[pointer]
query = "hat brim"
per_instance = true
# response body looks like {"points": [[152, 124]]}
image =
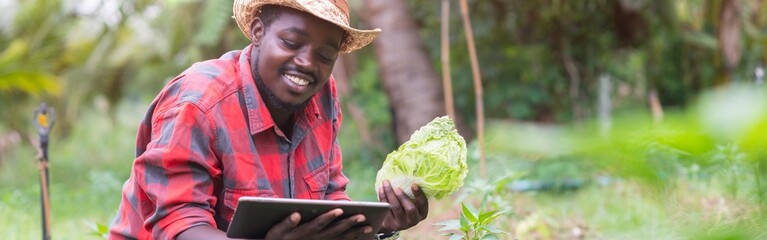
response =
{"points": [[245, 11]]}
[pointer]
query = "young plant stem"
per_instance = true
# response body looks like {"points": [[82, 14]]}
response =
{"points": [[447, 84], [477, 86]]}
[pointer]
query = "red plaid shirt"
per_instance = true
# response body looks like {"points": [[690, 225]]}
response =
{"points": [[208, 139]]}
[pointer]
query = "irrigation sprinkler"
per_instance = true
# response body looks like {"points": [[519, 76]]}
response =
{"points": [[44, 119]]}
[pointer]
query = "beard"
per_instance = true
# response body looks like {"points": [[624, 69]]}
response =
{"points": [[268, 96]]}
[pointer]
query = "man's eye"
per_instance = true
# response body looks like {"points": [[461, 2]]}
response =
{"points": [[290, 44], [326, 58]]}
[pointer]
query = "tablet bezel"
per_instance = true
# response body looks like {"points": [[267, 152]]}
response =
{"points": [[254, 216]]}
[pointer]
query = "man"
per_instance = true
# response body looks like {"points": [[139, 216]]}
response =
{"points": [[258, 122]]}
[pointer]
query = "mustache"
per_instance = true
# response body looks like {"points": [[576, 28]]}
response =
{"points": [[294, 68]]}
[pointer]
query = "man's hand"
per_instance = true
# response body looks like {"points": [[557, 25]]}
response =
{"points": [[405, 212], [320, 227]]}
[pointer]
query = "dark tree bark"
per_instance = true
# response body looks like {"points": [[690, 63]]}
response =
{"points": [[729, 37], [408, 77], [629, 25]]}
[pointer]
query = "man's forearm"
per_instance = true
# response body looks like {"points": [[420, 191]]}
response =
{"points": [[202, 232]]}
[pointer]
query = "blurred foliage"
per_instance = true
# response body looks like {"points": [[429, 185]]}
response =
{"points": [[724, 129], [718, 140], [99, 62], [696, 174], [366, 92], [473, 224], [72, 52], [540, 59], [525, 48]]}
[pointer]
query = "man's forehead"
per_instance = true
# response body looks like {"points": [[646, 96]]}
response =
{"points": [[299, 22]]}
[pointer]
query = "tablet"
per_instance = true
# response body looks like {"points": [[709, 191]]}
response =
{"points": [[254, 216]]}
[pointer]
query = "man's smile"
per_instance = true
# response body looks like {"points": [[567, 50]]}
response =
{"points": [[296, 83], [297, 80]]}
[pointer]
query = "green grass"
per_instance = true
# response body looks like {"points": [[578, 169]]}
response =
{"points": [[86, 174], [664, 195], [88, 168]]}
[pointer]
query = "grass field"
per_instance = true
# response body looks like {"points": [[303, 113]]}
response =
{"points": [[88, 168]]}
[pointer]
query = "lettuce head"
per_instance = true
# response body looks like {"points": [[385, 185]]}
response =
{"points": [[434, 158]]}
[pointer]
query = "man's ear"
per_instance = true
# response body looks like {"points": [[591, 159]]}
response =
{"points": [[256, 31]]}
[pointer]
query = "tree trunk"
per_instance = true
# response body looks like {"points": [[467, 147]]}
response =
{"points": [[408, 76], [729, 38]]}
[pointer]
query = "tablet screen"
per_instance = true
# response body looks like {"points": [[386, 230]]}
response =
{"points": [[254, 216]]}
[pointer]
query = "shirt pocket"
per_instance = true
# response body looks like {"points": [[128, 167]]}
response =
{"points": [[231, 196], [318, 181]]}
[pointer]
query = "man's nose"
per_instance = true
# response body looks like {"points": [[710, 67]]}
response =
{"points": [[305, 60]]}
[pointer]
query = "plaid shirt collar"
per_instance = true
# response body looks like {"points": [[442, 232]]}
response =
{"points": [[259, 118]]}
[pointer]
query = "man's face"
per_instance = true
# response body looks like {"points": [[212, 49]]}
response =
{"points": [[293, 57]]}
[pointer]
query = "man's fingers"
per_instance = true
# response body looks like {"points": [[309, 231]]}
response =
{"points": [[285, 226], [410, 210], [290, 221], [396, 207], [421, 201], [381, 194], [344, 226], [323, 220], [294, 219]]}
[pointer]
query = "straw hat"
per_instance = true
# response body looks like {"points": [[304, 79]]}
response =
{"points": [[333, 11]]}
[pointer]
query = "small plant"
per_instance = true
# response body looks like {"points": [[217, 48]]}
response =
{"points": [[494, 193], [98, 229], [472, 224]]}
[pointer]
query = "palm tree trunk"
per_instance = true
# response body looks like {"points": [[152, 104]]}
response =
{"points": [[407, 74], [728, 34]]}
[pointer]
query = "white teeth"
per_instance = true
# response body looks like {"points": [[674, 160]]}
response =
{"points": [[297, 80]]}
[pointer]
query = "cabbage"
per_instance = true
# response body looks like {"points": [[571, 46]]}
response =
{"points": [[434, 158]]}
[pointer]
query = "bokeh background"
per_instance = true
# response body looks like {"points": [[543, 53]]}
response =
{"points": [[602, 119]]}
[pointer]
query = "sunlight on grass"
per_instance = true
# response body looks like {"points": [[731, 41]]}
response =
{"points": [[683, 178], [86, 175], [642, 180]]}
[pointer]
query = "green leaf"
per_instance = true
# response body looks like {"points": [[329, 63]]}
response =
{"points": [[215, 17], [492, 230], [469, 212], [13, 52], [32, 83], [700, 39], [97, 229], [489, 237], [500, 184], [466, 225], [457, 237], [485, 197], [489, 216], [449, 225], [448, 222]]}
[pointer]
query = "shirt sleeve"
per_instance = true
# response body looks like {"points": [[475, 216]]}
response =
{"points": [[176, 172], [338, 181]]}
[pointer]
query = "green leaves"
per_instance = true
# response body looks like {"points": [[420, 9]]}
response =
{"points": [[215, 16], [31, 83], [98, 229], [17, 75], [472, 224]]}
